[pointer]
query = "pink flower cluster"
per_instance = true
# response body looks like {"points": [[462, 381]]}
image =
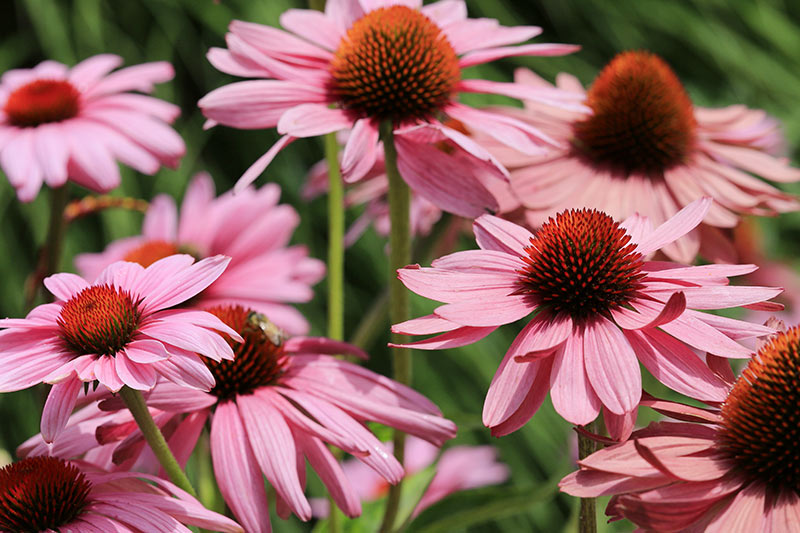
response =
{"points": [[589, 209]]}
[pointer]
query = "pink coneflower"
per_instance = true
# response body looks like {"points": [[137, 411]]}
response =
{"points": [[646, 148], [59, 123], [50, 494], [362, 63], [250, 227], [459, 468], [600, 309], [738, 469], [117, 331], [278, 401]]}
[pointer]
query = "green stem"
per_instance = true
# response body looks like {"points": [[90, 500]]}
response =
{"points": [[335, 270], [335, 240], [50, 257], [135, 402], [399, 256], [587, 517]]}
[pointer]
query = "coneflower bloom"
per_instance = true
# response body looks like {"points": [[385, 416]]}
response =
{"points": [[732, 469], [600, 308], [361, 63], [278, 401], [51, 494], [250, 227], [117, 331], [646, 148], [458, 468], [59, 123]]}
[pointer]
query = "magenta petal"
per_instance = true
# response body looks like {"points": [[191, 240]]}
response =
{"points": [[274, 449], [783, 513], [361, 151], [452, 286], [161, 221], [744, 514], [676, 366], [134, 375], [146, 351], [676, 227], [702, 336], [646, 318], [494, 233], [494, 312], [59, 405], [594, 483], [236, 470], [512, 381], [452, 339], [612, 366], [530, 403], [182, 282], [620, 427], [106, 373], [424, 325], [570, 391], [491, 54], [310, 120], [332, 476], [323, 345], [64, 286]]}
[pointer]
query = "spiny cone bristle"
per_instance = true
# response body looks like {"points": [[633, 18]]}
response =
{"points": [[42, 101], [394, 64], [761, 421], [257, 362], [582, 263], [643, 120], [41, 494], [100, 320]]}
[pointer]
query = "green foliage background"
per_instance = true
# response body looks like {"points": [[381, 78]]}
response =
{"points": [[745, 51]]}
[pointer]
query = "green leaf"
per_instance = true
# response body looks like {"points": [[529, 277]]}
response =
{"points": [[479, 506]]}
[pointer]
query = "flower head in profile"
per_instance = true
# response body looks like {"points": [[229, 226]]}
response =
{"points": [[118, 331], [280, 400], [59, 123], [600, 308], [362, 63], [458, 468], [646, 148], [250, 227], [50, 494], [731, 469]]}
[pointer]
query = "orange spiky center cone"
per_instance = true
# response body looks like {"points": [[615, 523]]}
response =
{"points": [[258, 361], [643, 121], [581, 262], [760, 417], [41, 494], [100, 320], [394, 64], [42, 101]]}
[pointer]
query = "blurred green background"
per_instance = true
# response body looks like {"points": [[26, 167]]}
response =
{"points": [[725, 52]]}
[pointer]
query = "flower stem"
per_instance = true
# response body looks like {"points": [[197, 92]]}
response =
{"points": [[587, 517], [335, 240], [399, 256], [335, 270], [135, 402], [50, 256]]}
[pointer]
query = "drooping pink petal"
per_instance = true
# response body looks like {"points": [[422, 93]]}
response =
{"points": [[274, 449], [494, 233], [236, 469], [674, 364], [611, 366], [59, 405], [572, 395], [676, 227]]}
